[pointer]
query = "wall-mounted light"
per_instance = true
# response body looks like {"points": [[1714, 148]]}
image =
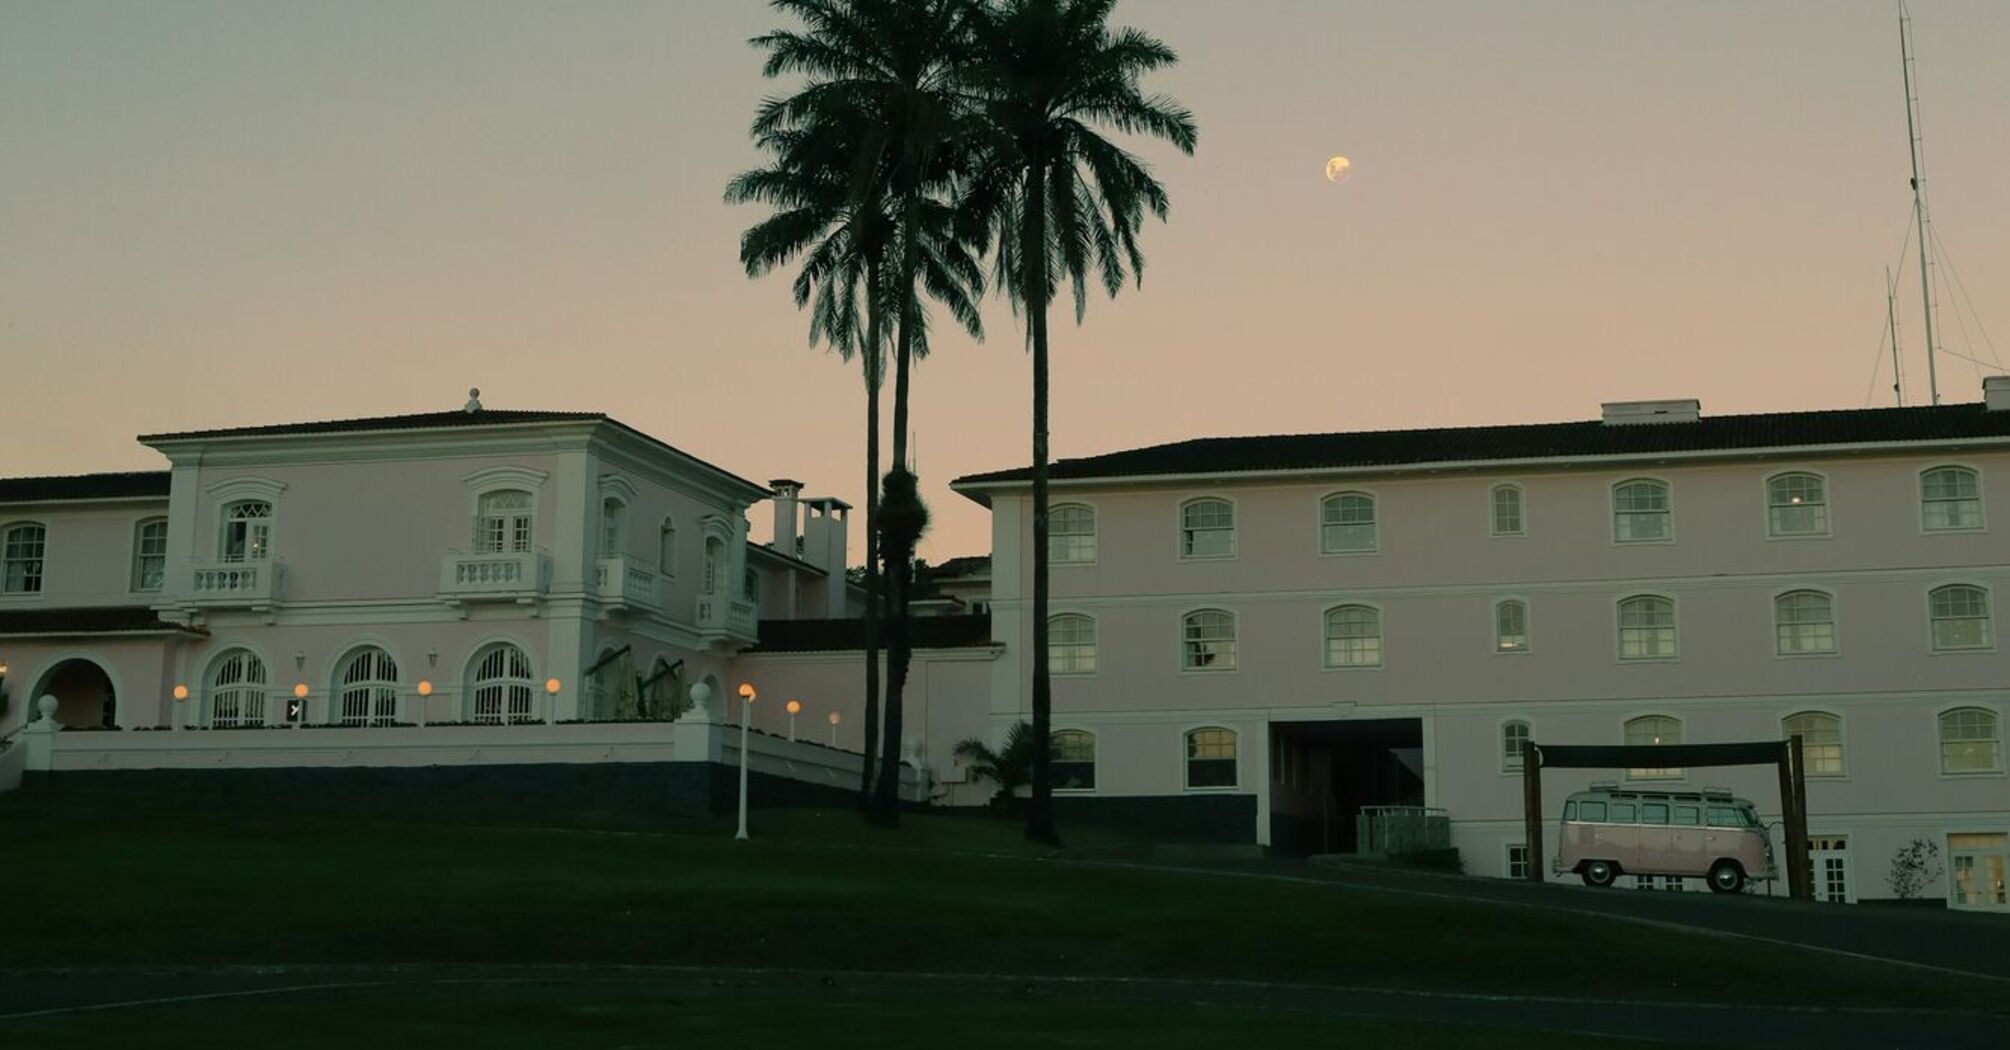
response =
{"points": [[432, 658], [181, 692], [300, 660], [425, 687]]}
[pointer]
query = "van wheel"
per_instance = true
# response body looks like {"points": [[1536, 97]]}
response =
{"points": [[1727, 877], [1600, 872]]}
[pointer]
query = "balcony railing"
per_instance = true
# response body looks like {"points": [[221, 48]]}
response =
{"points": [[239, 584], [723, 617], [625, 583], [495, 576]]}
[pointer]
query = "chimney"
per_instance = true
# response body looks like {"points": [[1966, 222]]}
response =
{"points": [[825, 522], [788, 516], [1626, 413], [1996, 393]]}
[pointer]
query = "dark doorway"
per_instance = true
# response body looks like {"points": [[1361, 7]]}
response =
{"points": [[1323, 773]]}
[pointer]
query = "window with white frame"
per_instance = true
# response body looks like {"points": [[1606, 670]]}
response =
{"points": [[1511, 626], [715, 564], [1647, 628], [21, 558], [1970, 741], [1960, 615], [1515, 735], [1507, 511], [502, 686], [237, 691], [369, 690], [1210, 758], [1797, 505], [1641, 511], [1653, 731], [1804, 622], [1071, 534], [247, 531], [1517, 860], [1821, 741], [1353, 636], [504, 521], [1208, 640], [150, 545], [666, 548], [613, 527], [750, 586], [1072, 760], [1347, 523], [1950, 499], [1071, 644], [1206, 528]]}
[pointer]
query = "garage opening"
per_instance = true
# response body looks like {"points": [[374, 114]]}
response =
{"points": [[1323, 775]]}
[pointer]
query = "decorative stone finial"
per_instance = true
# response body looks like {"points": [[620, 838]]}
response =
{"points": [[46, 705], [701, 704], [474, 400]]}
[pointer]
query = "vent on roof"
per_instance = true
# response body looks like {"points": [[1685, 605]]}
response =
{"points": [[1620, 412], [1996, 393]]}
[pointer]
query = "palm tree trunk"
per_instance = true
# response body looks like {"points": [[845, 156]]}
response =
{"points": [[1033, 270], [900, 551], [874, 366]]}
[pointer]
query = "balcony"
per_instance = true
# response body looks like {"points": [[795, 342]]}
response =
{"points": [[723, 619], [235, 584], [624, 583], [495, 576]]}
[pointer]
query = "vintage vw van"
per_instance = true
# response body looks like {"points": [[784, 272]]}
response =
{"points": [[1609, 831]]}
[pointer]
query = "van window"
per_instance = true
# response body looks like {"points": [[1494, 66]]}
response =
{"points": [[1689, 816], [1654, 813], [1593, 812], [1570, 811], [1622, 813], [1726, 817]]}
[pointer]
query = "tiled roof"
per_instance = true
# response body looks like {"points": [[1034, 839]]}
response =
{"points": [[927, 632], [132, 484], [487, 417], [1537, 441], [962, 567], [108, 619]]}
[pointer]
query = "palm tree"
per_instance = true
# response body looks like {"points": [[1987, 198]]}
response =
{"points": [[1050, 77], [1008, 767]]}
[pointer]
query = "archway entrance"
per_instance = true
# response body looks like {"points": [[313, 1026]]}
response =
{"points": [[84, 695]]}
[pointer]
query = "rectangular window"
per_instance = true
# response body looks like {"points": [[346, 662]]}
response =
{"points": [[150, 555], [1507, 517], [1950, 499], [1511, 627], [21, 572], [1654, 813], [1517, 860], [1640, 512], [1591, 812], [1071, 535], [1725, 817], [1623, 813], [1688, 816], [1207, 529]]}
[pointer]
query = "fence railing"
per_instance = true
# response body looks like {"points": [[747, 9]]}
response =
{"points": [[1402, 829]]}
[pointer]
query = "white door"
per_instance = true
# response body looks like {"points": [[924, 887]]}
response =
{"points": [[1828, 869], [1976, 864]]}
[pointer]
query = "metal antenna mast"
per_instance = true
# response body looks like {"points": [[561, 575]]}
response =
{"points": [[1918, 195], [1891, 318]]}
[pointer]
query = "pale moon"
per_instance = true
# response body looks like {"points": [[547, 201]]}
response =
{"points": [[1338, 168]]}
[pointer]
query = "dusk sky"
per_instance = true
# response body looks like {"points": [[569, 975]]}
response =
{"points": [[218, 214]]}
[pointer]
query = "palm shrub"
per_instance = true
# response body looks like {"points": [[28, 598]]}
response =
{"points": [[1010, 767]]}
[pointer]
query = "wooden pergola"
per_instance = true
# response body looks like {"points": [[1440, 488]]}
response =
{"points": [[1783, 754]]}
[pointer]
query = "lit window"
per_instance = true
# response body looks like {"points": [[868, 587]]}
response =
{"points": [[1353, 636], [1207, 529], [369, 693], [666, 548], [1210, 758], [1960, 615], [1640, 511], [1797, 505], [503, 522], [502, 691], [1950, 499], [1071, 534], [1511, 626], [1821, 741], [1071, 644], [1072, 760], [237, 691], [1507, 513], [1970, 741], [1347, 523], [1804, 622], [21, 572], [247, 531], [1647, 628], [1653, 731], [150, 544], [1514, 734], [1208, 638]]}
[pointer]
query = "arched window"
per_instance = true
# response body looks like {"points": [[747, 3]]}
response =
{"points": [[1511, 626], [1950, 499], [1507, 511], [1647, 628], [1072, 760], [150, 547], [1071, 534], [1804, 622], [613, 527], [1353, 636], [1960, 615], [369, 689], [21, 558], [1970, 741], [1071, 644], [237, 691], [666, 548], [663, 695], [247, 531], [1347, 523], [1206, 528], [1209, 640], [1641, 511], [1653, 730], [1821, 741], [503, 521], [1797, 505], [1514, 734], [503, 686], [715, 565], [1210, 757]]}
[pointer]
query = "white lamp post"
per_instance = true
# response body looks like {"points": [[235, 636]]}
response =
{"points": [[175, 718], [550, 701], [425, 693], [834, 729], [795, 708], [746, 716]]}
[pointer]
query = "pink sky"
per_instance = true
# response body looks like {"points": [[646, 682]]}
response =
{"points": [[219, 214]]}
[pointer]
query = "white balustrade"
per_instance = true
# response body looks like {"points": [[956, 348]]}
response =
{"points": [[494, 575], [235, 583]]}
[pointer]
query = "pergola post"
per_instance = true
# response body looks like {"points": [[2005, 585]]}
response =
{"points": [[1800, 880], [1531, 796]]}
